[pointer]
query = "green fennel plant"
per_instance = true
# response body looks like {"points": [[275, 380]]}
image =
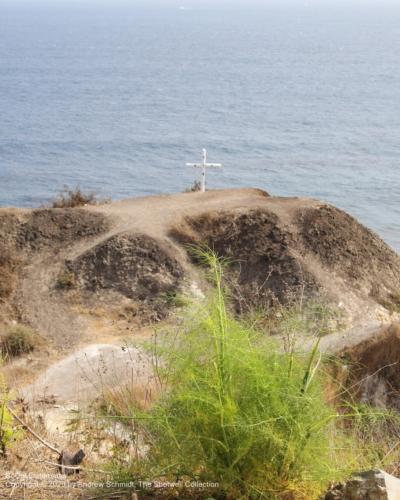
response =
{"points": [[236, 409]]}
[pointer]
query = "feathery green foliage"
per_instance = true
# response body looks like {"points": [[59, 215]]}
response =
{"points": [[238, 411], [235, 408], [7, 432]]}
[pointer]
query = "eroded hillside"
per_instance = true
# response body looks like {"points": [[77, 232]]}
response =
{"points": [[58, 266]]}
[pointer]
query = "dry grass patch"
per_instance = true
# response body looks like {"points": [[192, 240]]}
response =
{"points": [[19, 340], [66, 280], [75, 197], [392, 304], [118, 401]]}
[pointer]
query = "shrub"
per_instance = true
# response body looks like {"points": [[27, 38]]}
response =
{"points": [[66, 280], [18, 341], [233, 408], [240, 412], [8, 433], [392, 304], [71, 198], [195, 187], [6, 421]]}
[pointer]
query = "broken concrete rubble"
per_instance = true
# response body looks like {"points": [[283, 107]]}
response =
{"points": [[369, 485]]}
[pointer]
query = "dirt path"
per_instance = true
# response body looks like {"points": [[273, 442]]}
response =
{"points": [[74, 382], [82, 376], [156, 215]]}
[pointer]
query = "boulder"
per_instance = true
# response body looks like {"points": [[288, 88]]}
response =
{"points": [[369, 485]]}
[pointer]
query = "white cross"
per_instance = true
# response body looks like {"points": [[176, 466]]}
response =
{"points": [[204, 165]]}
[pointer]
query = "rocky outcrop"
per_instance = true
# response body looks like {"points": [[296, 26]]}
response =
{"points": [[369, 485], [371, 368], [135, 265], [52, 227], [288, 250], [352, 251], [262, 266]]}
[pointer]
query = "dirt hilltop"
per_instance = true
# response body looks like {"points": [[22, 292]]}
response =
{"points": [[59, 267], [92, 282]]}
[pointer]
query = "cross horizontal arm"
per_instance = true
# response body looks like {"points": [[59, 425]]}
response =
{"points": [[201, 165], [204, 166]]}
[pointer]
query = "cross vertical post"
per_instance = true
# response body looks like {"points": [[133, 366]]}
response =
{"points": [[203, 172], [204, 165]]}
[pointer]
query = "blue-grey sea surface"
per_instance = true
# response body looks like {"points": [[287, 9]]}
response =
{"points": [[302, 101]]}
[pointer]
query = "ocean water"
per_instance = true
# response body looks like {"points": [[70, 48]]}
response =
{"points": [[302, 102]]}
